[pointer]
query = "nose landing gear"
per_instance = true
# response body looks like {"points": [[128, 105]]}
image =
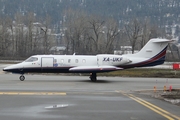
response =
{"points": [[22, 78]]}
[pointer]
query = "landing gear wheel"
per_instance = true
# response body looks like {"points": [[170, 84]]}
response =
{"points": [[22, 78], [93, 77]]}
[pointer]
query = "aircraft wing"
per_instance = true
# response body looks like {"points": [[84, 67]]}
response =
{"points": [[94, 68]]}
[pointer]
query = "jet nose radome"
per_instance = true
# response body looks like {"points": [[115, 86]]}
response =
{"points": [[13, 68], [7, 69], [4, 69]]}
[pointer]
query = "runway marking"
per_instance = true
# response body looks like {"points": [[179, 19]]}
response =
{"points": [[32, 93], [151, 106]]}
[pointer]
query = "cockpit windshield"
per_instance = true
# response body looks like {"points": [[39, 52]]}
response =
{"points": [[31, 59]]}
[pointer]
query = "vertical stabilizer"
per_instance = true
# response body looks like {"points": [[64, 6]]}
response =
{"points": [[154, 47], [153, 53]]}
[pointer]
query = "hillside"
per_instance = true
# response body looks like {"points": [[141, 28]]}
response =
{"points": [[159, 11]]}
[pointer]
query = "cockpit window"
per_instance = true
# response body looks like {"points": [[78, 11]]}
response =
{"points": [[31, 59]]}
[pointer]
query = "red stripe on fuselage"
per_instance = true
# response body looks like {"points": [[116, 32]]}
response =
{"points": [[159, 56], [144, 63]]}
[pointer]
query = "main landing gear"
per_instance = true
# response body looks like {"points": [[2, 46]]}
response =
{"points": [[22, 78], [93, 77]]}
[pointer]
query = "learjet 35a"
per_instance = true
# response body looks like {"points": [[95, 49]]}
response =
{"points": [[152, 54]]}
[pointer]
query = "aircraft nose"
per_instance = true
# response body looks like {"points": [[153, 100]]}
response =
{"points": [[13, 68], [5, 69]]}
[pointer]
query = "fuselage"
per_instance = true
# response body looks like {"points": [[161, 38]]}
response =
{"points": [[62, 63]]}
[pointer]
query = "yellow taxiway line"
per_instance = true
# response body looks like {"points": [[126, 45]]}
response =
{"points": [[152, 107], [32, 93]]}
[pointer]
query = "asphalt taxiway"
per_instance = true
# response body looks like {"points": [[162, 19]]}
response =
{"points": [[54, 97]]}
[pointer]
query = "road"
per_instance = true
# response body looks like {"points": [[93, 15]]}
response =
{"points": [[54, 97]]}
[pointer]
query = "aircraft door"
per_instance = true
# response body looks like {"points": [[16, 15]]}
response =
{"points": [[47, 62], [99, 60]]}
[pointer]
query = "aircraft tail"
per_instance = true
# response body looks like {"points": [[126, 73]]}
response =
{"points": [[153, 53], [154, 48]]}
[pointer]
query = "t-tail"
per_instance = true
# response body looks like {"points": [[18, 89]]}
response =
{"points": [[153, 53]]}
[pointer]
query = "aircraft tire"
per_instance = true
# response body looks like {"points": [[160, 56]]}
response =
{"points": [[93, 77], [22, 78]]}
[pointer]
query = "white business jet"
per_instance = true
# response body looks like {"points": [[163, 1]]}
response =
{"points": [[153, 53]]}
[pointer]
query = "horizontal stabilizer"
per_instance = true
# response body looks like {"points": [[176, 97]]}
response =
{"points": [[94, 68], [162, 40]]}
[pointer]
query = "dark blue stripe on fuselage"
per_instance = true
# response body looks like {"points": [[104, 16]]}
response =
{"points": [[40, 70], [55, 70], [156, 60]]}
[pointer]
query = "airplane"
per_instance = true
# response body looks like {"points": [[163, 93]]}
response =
{"points": [[152, 54]]}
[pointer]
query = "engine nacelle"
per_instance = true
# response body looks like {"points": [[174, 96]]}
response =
{"points": [[115, 60]]}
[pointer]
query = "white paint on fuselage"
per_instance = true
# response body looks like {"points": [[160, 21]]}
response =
{"points": [[78, 60], [74, 60]]}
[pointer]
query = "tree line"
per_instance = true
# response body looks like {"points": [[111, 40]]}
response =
{"points": [[24, 36], [87, 34], [79, 32]]}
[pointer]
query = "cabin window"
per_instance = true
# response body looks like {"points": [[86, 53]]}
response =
{"points": [[76, 60], [84, 61], [31, 59], [55, 63], [69, 60]]}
